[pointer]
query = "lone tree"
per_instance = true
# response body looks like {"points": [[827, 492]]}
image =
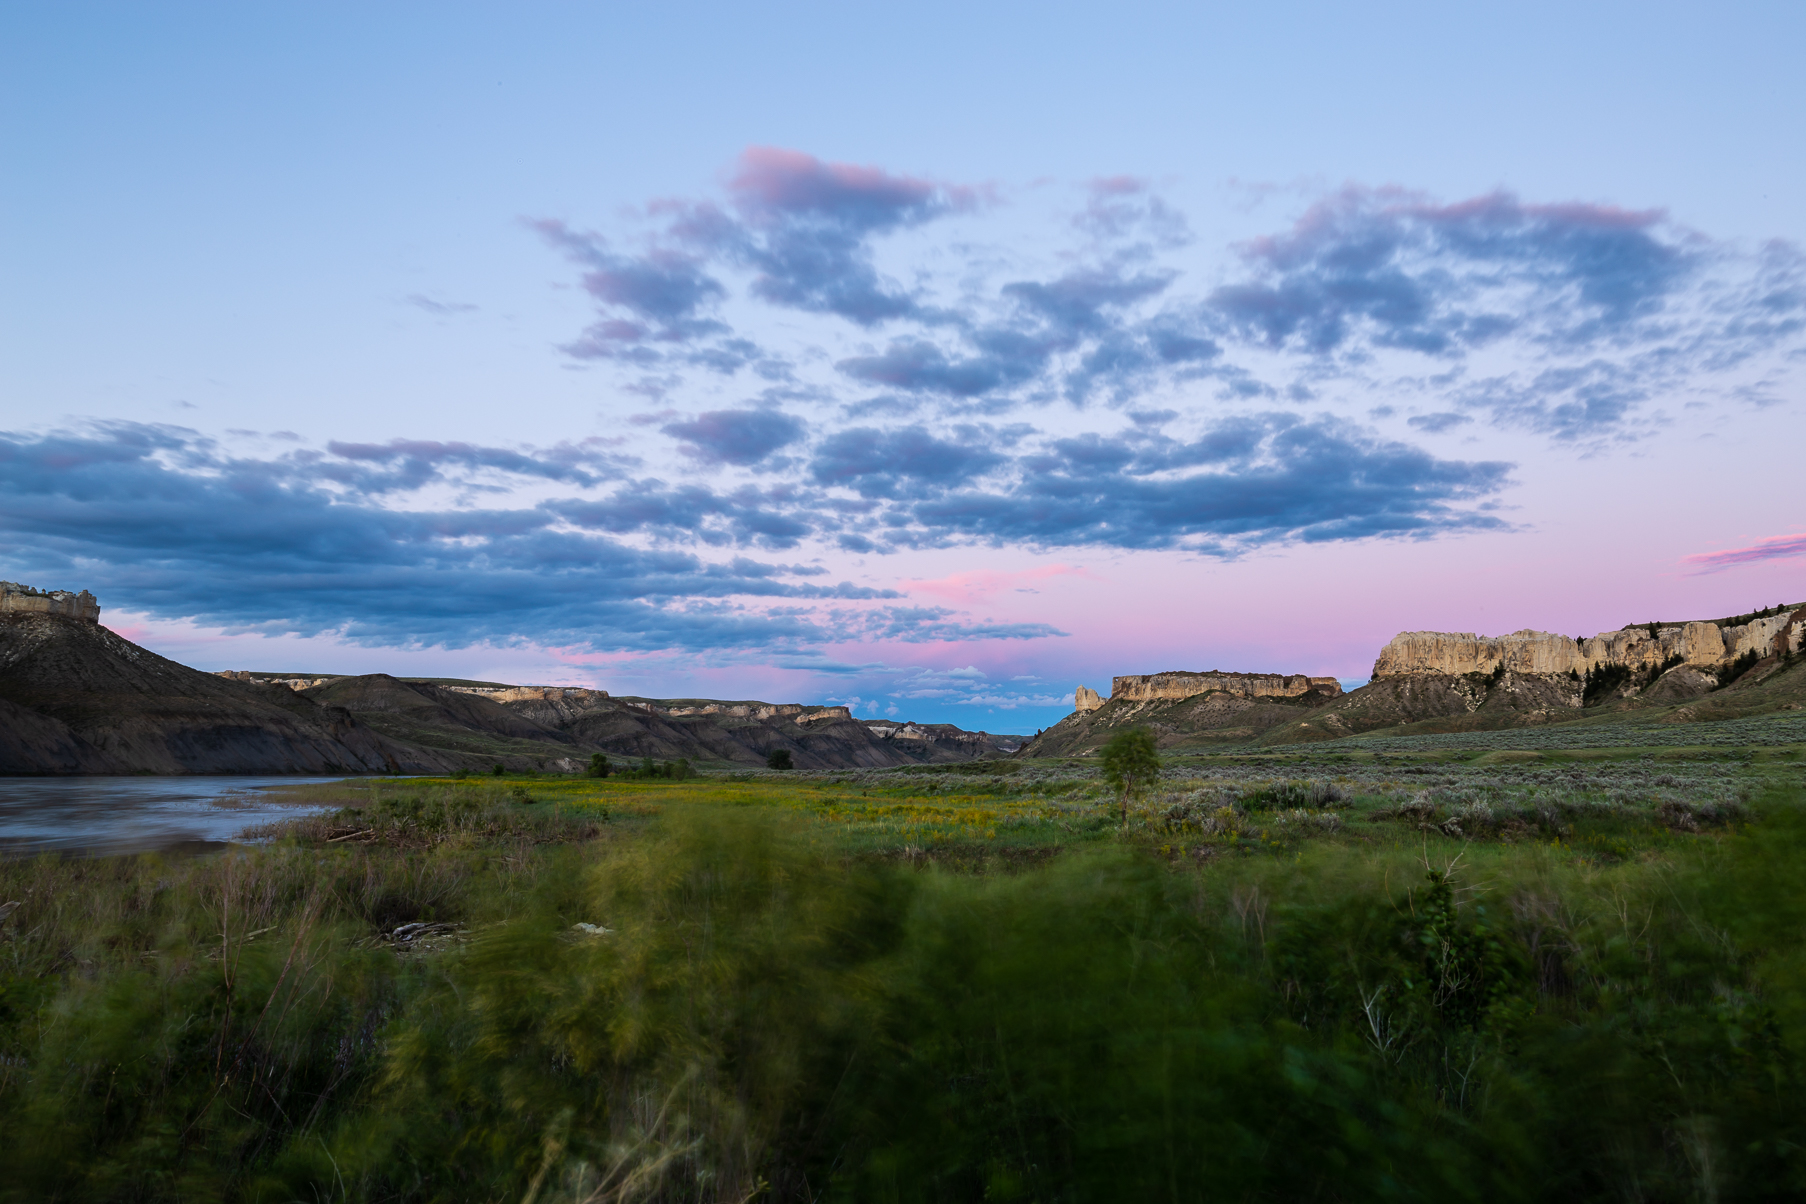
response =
{"points": [[778, 758], [599, 766], [1130, 763]]}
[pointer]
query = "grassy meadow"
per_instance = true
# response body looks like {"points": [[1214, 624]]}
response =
{"points": [[1393, 972]]}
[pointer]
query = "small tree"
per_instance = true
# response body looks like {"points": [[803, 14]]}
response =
{"points": [[498, 771], [778, 758], [599, 766], [1130, 763]]}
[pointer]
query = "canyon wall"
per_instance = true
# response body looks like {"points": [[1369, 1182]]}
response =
{"points": [[22, 599], [1545, 653]]}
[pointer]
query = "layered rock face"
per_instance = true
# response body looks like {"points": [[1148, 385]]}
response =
{"points": [[1460, 652], [1086, 699], [1179, 685], [1776, 635], [22, 599], [1459, 681], [1542, 652]]}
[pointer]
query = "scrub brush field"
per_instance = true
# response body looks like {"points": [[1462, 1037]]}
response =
{"points": [[1340, 973]]}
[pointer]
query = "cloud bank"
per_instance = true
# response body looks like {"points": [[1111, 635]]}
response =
{"points": [[852, 370], [1571, 320]]}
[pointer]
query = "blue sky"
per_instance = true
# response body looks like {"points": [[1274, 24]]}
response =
{"points": [[930, 359]]}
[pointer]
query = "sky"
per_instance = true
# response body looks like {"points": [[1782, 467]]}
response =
{"points": [[930, 359]]}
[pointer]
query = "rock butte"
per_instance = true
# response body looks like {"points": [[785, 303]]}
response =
{"points": [[1178, 685]]}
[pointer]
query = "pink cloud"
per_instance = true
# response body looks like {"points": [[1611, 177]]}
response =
{"points": [[1776, 547], [774, 180], [974, 586]]}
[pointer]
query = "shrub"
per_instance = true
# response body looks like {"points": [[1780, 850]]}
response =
{"points": [[598, 765], [778, 758], [1130, 763]]}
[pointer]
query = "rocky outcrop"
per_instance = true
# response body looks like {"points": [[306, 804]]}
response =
{"points": [[1699, 643], [795, 712], [22, 599], [577, 696], [1180, 684], [1776, 635], [1133, 693], [1461, 652], [1184, 708], [1457, 681]]}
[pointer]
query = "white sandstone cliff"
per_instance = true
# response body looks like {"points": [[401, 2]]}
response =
{"points": [[23, 599], [1179, 685], [1543, 653]]}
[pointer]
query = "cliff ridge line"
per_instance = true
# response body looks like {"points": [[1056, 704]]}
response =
{"points": [[1699, 643], [1179, 684], [1176, 685]]}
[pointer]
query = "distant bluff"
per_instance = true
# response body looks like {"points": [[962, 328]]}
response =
{"points": [[1183, 707], [77, 698], [1441, 681], [1709, 643], [1426, 681]]}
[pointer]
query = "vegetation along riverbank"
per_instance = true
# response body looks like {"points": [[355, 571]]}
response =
{"points": [[1407, 971]]}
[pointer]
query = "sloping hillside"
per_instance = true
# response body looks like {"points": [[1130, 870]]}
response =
{"points": [[77, 698], [744, 733], [1216, 717]]}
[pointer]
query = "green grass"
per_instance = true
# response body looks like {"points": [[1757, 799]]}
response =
{"points": [[1302, 976]]}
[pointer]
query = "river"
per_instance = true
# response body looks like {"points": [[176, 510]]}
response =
{"points": [[93, 816]]}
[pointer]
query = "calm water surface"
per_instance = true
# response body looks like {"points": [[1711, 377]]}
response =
{"points": [[96, 815]]}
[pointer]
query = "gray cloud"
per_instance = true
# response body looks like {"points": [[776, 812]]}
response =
{"points": [[736, 436], [1436, 424], [158, 519], [1586, 312]]}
